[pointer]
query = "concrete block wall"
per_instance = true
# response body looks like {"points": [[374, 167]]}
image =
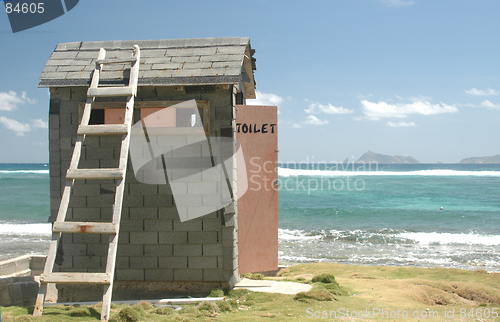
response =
{"points": [[153, 244]]}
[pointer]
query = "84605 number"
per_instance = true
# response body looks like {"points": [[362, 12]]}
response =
{"points": [[25, 7]]}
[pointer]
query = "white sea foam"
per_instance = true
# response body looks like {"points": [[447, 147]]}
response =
{"points": [[285, 172], [292, 234], [448, 238], [26, 229], [25, 171]]}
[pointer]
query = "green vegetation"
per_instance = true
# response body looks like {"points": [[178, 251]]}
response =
{"points": [[334, 286]]}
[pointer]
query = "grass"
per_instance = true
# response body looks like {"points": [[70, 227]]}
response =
{"points": [[335, 288]]}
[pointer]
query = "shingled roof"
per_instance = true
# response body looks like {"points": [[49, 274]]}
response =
{"points": [[197, 61]]}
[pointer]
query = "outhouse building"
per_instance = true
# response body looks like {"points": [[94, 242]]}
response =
{"points": [[159, 252]]}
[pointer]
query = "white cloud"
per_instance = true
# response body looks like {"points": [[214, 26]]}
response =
{"points": [[489, 104], [315, 108], [480, 92], [313, 120], [265, 99], [375, 111], [397, 3], [401, 124], [9, 101], [296, 126], [40, 124], [18, 127]]}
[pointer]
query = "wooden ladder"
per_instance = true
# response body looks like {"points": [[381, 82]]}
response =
{"points": [[60, 225]]}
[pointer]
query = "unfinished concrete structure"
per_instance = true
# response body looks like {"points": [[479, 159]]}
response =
{"points": [[156, 251]]}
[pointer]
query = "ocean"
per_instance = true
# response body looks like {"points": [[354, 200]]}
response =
{"points": [[427, 215]]}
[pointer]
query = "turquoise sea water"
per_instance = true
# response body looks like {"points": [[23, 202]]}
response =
{"points": [[390, 215]]}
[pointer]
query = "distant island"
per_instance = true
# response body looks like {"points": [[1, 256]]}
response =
{"points": [[492, 159], [386, 159]]}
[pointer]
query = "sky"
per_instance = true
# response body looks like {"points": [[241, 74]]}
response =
{"points": [[400, 77]]}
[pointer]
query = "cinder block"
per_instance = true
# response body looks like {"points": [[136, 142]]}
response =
{"points": [[86, 239], [124, 238], [202, 188], [224, 113], [188, 200], [212, 224], [143, 237], [77, 201], [164, 189], [86, 262], [144, 262], [88, 164], [122, 262], [101, 200], [67, 131], [173, 237], [99, 153], [188, 275], [202, 237], [187, 250], [109, 163], [75, 249], [190, 225], [213, 200], [133, 202], [55, 183], [158, 250], [132, 225], [173, 262], [229, 233], [86, 190], [129, 274], [86, 214], [159, 275], [67, 263], [63, 93], [54, 145], [213, 275], [54, 134], [212, 250], [202, 262], [98, 249], [65, 119], [79, 94], [143, 189], [54, 157], [158, 225], [206, 211], [142, 212], [54, 121], [110, 141], [158, 201], [106, 214], [168, 213], [131, 250]]}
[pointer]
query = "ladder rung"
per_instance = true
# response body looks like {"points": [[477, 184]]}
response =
{"points": [[107, 129], [85, 227], [76, 278], [110, 91], [116, 60], [94, 174]]}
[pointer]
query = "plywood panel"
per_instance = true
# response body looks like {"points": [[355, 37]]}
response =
{"points": [[257, 132]]}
